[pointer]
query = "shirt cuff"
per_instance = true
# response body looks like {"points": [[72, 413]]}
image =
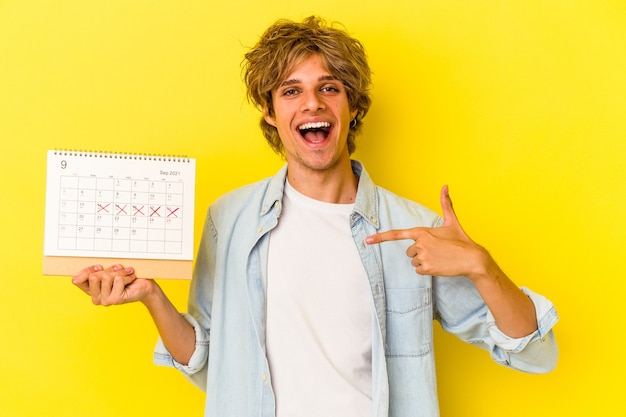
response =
{"points": [[546, 318], [199, 357]]}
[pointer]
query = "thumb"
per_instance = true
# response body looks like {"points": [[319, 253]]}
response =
{"points": [[449, 216]]}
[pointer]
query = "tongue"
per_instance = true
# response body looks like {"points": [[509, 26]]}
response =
{"points": [[315, 136]]}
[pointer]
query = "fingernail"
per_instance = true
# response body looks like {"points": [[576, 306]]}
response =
{"points": [[117, 267], [129, 269], [97, 268]]}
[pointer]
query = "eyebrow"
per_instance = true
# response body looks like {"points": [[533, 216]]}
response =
{"points": [[322, 78]]}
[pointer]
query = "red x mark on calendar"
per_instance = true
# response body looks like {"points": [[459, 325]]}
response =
{"points": [[172, 212], [138, 210], [121, 210], [155, 211], [103, 208]]}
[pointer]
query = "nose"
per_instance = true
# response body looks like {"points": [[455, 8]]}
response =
{"points": [[311, 101]]}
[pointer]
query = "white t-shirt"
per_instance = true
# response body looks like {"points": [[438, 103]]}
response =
{"points": [[319, 313]]}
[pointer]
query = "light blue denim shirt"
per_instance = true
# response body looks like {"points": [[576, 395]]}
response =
{"points": [[227, 307]]}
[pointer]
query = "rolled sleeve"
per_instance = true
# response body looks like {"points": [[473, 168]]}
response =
{"points": [[546, 318], [199, 357]]}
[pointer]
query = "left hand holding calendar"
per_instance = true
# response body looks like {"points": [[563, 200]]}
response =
{"points": [[113, 285], [119, 209]]}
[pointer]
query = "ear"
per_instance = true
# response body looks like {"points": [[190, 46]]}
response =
{"points": [[269, 119], [353, 114]]}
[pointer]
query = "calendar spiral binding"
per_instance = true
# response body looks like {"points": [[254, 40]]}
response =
{"points": [[123, 155]]}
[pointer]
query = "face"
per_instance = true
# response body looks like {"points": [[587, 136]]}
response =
{"points": [[312, 115]]}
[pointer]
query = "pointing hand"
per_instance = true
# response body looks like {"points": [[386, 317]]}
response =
{"points": [[443, 251]]}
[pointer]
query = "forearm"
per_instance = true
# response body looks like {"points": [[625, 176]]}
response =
{"points": [[512, 310], [177, 334]]}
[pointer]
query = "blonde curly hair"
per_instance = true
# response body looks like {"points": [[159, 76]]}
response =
{"points": [[284, 45]]}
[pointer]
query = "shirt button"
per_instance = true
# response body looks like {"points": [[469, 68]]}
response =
{"points": [[373, 220], [264, 377], [259, 229]]}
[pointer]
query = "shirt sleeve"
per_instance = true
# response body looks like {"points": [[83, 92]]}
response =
{"points": [[199, 357], [199, 306], [535, 353], [461, 311], [546, 319]]}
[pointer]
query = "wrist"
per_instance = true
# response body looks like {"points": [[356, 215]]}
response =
{"points": [[153, 296], [484, 266]]}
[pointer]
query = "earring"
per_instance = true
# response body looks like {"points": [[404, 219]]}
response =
{"points": [[354, 122]]}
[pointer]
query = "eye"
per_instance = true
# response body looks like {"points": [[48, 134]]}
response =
{"points": [[290, 92], [329, 89]]}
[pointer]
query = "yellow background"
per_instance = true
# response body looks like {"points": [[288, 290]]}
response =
{"points": [[519, 106]]}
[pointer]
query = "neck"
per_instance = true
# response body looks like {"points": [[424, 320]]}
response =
{"points": [[337, 185]]}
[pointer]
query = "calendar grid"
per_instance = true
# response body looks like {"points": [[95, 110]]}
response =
{"points": [[117, 214]]}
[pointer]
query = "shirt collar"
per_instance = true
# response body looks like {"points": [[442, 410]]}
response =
{"points": [[366, 204], [274, 193]]}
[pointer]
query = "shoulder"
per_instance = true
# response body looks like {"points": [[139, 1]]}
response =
{"points": [[239, 196], [248, 202], [392, 210], [402, 212], [247, 197]]}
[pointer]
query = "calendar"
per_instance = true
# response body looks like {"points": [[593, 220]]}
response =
{"points": [[113, 207]]}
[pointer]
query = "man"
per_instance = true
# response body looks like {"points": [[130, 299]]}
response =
{"points": [[303, 301]]}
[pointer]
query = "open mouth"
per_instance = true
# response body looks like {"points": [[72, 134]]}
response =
{"points": [[314, 132]]}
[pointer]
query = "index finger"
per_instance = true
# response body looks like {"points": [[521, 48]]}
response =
{"points": [[389, 235]]}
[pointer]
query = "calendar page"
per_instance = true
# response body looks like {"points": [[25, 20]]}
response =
{"points": [[122, 206]]}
